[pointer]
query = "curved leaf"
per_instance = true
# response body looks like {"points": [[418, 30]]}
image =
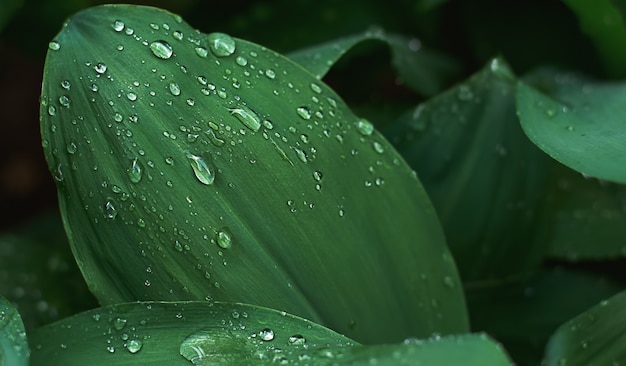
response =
{"points": [[180, 333], [194, 166], [14, 349], [595, 337], [425, 71], [582, 128], [485, 178]]}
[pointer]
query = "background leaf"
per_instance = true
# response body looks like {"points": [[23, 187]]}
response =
{"points": [[582, 127], [485, 178], [14, 349], [594, 337], [229, 173], [181, 333]]}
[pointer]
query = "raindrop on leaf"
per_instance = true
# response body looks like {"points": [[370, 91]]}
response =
{"points": [[161, 49], [221, 44]]}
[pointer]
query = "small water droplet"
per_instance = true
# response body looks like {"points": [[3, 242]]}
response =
{"points": [[178, 35], [174, 89], [317, 175], [203, 171], [266, 334], [54, 46], [297, 339], [301, 155], [119, 323], [72, 148], [134, 345], [224, 238], [64, 100], [135, 172], [161, 49], [316, 88], [378, 147], [52, 110], [131, 96], [100, 68], [241, 61], [271, 74], [304, 113], [247, 116], [364, 127], [110, 212], [221, 44], [118, 25], [65, 84]]}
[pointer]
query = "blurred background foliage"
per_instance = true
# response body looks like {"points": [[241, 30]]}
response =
{"points": [[566, 35]]}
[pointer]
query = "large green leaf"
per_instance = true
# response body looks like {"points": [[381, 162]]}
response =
{"points": [[181, 333], [425, 71], [14, 349], [582, 127], [485, 178], [595, 337], [193, 166], [524, 314]]}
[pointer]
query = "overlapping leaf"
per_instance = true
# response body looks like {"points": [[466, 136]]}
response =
{"points": [[485, 178], [14, 349], [194, 166]]}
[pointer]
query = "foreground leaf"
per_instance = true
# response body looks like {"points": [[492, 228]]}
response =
{"points": [[581, 127], [180, 333], [14, 349], [485, 178], [595, 337], [193, 166], [423, 70]]}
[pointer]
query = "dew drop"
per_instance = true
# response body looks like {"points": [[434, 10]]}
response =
{"points": [[118, 25], [241, 61], [72, 148], [270, 74], [161, 49], [304, 113], [221, 44], [64, 100], [110, 212], [316, 88], [297, 340], [203, 171], [301, 155], [364, 127], [100, 68], [174, 89], [266, 334], [224, 238], [119, 323], [247, 116], [378, 147], [54, 46], [317, 175], [131, 96], [202, 52], [135, 172], [52, 110], [178, 35], [134, 345], [65, 84]]}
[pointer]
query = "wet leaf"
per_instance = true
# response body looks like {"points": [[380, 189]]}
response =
{"points": [[485, 178], [14, 349], [423, 70], [580, 126], [181, 333], [193, 166], [595, 337]]}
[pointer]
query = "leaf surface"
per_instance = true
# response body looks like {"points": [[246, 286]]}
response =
{"points": [[14, 349]]}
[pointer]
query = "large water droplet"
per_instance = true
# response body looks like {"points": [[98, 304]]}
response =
{"points": [[203, 171], [64, 100], [161, 49], [118, 25], [174, 89], [134, 345], [297, 340], [202, 52], [100, 68], [54, 45], [364, 127], [221, 44], [135, 172], [248, 117], [224, 238], [266, 334], [304, 112]]}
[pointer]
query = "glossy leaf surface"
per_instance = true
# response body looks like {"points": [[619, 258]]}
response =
{"points": [[14, 349], [193, 166]]}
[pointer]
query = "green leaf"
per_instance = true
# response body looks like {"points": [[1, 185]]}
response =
{"points": [[193, 166], [14, 349], [603, 23], [595, 337], [423, 70], [181, 333], [485, 178], [522, 315], [580, 127], [586, 211]]}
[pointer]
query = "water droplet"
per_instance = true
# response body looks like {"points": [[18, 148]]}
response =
{"points": [[71, 148], [190, 102], [266, 334], [118, 25], [316, 88], [301, 155], [224, 238], [134, 345], [247, 116], [161, 49], [131, 96], [64, 100], [174, 89], [270, 74], [110, 212], [297, 339], [54, 45], [203, 171], [241, 61], [221, 44], [304, 113], [178, 35], [119, 323], [364, 127], [100, 68], [135, 172], [464, 93], [378, 147], [317, 175], [65, 84], [202, 52], [52, 110]]}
